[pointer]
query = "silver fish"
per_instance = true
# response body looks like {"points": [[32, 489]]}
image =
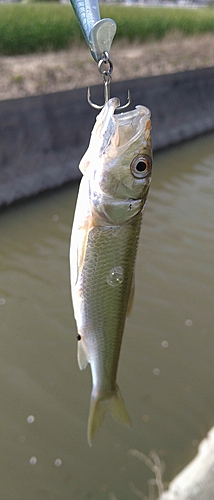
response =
{"points": [[113, 191], [98, 33]]}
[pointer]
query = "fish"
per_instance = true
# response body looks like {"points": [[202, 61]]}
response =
{"points": [[112, 196], [98, 33]]}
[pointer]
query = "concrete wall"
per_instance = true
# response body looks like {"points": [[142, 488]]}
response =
{"points": [[196, 480], [44, 137]]}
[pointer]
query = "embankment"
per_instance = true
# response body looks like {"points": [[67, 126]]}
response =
{"points": [[44, 137]]}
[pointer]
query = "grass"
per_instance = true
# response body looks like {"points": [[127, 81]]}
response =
{"points": [[38, 27], [143, 23], [41, 27]]}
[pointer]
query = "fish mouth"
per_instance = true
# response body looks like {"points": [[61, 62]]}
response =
{"points": [[130, 126]]}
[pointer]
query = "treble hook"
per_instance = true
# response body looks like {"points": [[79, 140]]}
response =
{"points": [[107, 81]]}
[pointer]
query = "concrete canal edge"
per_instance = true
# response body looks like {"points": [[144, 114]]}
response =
{"points": [[43, 137]]}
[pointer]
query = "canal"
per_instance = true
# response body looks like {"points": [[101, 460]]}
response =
{"points": [[166, 372]]}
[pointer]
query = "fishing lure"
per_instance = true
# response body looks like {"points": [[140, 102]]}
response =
{"points": [[98, 33]]}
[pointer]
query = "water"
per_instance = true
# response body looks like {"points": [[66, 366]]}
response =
{"points": [[166, 370], [115, 276]]}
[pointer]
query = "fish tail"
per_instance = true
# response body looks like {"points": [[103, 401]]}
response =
{"points": [[98, 408]]}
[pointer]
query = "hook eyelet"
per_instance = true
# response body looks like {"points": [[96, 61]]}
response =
{"points": [[107, 81]]}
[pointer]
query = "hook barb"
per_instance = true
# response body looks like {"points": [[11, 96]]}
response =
{"points": [[107, 97], [127, 103], [92, 104]]}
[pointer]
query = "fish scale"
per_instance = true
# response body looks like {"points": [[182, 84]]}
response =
{"points": [[105, 306]]}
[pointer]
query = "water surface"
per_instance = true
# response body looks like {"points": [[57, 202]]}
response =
{"points": [[166, 370]]}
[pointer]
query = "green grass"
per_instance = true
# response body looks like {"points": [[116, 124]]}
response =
{"points": [[144, 23], [36, 27], [40, 27]]}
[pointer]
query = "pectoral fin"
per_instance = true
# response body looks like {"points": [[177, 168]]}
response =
{"points": [[81, 246]]}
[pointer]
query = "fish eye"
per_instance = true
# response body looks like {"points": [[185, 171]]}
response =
{"points": [[141, 166]]}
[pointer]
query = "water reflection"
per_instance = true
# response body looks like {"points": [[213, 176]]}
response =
{"points": [[166, 365]]}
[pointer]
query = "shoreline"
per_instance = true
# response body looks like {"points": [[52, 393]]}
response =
{"points": [[44, 137]]}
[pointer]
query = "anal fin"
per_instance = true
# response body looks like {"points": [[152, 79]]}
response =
{"points": [[82, 356]]}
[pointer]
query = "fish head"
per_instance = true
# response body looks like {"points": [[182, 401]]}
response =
{"points": [[119, 156]]}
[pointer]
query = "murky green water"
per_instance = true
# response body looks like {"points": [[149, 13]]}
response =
{"points": [[166, 371]]}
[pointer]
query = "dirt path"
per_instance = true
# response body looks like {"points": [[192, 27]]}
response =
{"points": [[43, 73]]}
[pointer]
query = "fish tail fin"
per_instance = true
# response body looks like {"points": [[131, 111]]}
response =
{"points": [[98, 408]]}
